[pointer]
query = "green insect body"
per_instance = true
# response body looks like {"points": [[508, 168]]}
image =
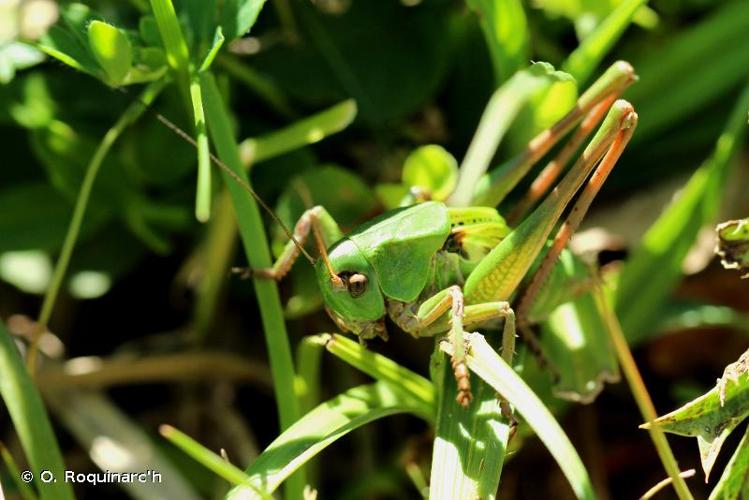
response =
{"points": [[401, 257], [435, 269]]}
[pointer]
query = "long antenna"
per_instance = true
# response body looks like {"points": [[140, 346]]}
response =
{"points": [[216, 161]]}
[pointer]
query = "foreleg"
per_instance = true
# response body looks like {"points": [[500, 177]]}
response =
{"points": [[316, 220]]}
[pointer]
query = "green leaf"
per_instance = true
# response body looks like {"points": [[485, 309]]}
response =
{"points": [[177, 53], [112, 50], [391, 194], [257, 252], [712, 40], [320, 428], [203, 190], [678, 315], [24, 488], [734, 482], [584, 60], [496, 119], [149, 31], [413, 385], [574, 334], [484, 361], [588, 14], [60, 44], [26, 409], [238, 16], [655, 267], [507, 35], [205, 456], [218, 41], [470, 444], [390, 58], [432, 169], [708, 418], [308, 384], [541, 111], [300, 133]]}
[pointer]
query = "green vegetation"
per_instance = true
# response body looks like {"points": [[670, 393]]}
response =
{"points": [[144, 141]]}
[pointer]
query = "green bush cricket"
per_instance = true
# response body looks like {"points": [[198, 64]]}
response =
{"points": [[435, 269]]}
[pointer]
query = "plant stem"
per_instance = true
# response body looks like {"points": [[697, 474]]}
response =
{"points": [[30, 420], [256, 248], [641, 395], [101, 373], [203, 190], [131, 114], [214, 255]]}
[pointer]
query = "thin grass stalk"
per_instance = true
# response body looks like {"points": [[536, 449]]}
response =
{"points": [[584, 60], [642, 397], [255, 243], [30, 420], [203, 189], [131, 114], [215, 256]]}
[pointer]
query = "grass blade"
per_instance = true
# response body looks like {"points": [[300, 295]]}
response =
{"points": [[300, 133], [131, 114], [470, 444], [654, 268], [584, 60], [256, 248], [177, 53], [734, 482], [24, 489], [308, 358], [499, 113], [30, 419], [486, 363], [641, 395], [381, 368], [506, 32], [321, 427], [203, 191], [205, 456], [178, 57], [712, 40]]}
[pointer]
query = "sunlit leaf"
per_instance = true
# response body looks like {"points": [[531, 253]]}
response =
{"points": [[655, 267], [112, 50], [320, 428], [238, 16], [432, 169], [712, 417], [484, 361], [470, 444], [506, 32], [29, 416], [734, 482]]}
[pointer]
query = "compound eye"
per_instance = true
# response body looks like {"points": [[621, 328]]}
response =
{"points": [[357, 284]]}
